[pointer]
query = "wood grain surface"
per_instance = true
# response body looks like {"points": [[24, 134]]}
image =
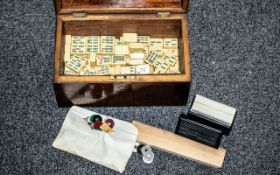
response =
{"points": [[181, 146], [121, 6]]}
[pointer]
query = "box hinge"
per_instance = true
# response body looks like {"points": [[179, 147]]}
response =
{"points": [[118, 77], [163, 14], [79, 14]]}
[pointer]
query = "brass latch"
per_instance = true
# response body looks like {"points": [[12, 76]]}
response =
{"points": [[79, 14], [163, 14]]}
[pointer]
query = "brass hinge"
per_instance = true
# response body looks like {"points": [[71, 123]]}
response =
{"points": [[163, 14], [79, 14], [118, 77]]}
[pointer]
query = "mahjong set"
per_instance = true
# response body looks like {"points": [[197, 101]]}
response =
{"points": [[129, 55], [122, 53], [136, 53]]}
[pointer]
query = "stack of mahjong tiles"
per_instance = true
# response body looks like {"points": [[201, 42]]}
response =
{"points": [[129, 55]]}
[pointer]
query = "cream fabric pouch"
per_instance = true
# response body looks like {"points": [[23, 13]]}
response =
{"points": [[111, 150]]}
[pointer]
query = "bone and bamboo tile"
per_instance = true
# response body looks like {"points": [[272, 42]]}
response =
{"points": [[128, 55], [170, 43], [130, 37], [78, 44]]}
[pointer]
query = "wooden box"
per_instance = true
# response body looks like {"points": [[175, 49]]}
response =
{"points": [[155, 18]]}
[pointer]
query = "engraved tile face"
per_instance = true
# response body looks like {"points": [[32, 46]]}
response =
{"points": [[103, 60], [161, 64], [103, 70], [76, 63], [144, 40], [173, 52], [143, 69], [107, 49], [170, 59], [68, 71], [170, 43], [78, 44], [90, 72], [158, 50], [118, 60], [174, 69], [107, 40], [151, 58], [128, 70], [158, 42]]}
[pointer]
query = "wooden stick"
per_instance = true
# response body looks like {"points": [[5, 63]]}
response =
{"points": [[181, 146]]}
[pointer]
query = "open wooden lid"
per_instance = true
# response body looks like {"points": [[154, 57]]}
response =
{"points": [[121, 6]]}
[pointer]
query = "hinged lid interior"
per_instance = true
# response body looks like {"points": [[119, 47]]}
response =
{"points": [[121, 6]]}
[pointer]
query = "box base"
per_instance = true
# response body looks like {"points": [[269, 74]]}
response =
{"points": [[121, 94]]}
